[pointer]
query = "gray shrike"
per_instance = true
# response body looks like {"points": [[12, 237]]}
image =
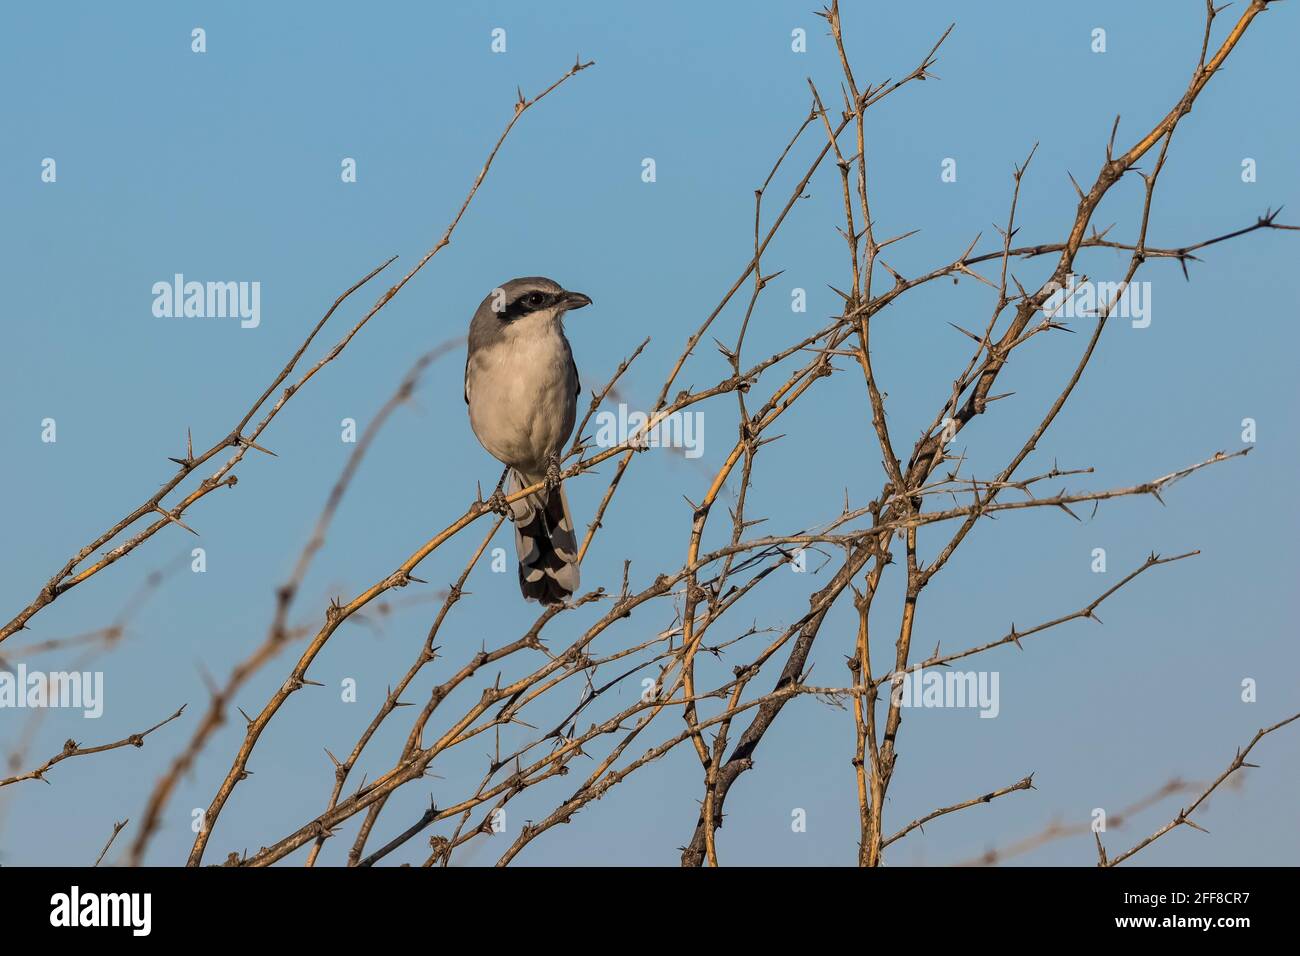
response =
{"points": [[521, 386]]}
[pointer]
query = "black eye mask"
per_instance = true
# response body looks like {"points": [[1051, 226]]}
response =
{"points": [[528, 303]]}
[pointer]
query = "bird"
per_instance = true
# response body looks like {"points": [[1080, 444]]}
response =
{"points": [[522, 388]]}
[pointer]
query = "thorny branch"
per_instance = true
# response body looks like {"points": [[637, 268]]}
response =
{"points": [[73, 749]]}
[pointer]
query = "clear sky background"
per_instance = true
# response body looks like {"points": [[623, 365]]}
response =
{"points": [[226, 166]]}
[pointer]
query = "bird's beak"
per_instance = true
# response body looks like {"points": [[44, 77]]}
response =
{"points": [[576, 300]]}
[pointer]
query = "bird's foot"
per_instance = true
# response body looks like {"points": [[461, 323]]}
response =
{"points": [[497, 504], [553, 473]]}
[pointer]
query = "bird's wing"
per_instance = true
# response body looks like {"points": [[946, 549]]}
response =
{"points": [[467, 378], [577, 382]]}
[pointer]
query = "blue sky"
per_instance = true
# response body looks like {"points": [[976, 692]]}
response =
{"points": [[226, 166]]}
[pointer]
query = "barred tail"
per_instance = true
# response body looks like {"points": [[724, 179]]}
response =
{"points": [[546, 542]]}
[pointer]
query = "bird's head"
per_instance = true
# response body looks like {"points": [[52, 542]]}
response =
{"points": [[534, 297]]}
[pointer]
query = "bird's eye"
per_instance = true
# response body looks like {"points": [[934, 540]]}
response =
{"points": [[535, 299]]}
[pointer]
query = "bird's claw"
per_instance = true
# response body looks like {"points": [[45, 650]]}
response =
{"points": [[497, 504], [553, 473]]}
